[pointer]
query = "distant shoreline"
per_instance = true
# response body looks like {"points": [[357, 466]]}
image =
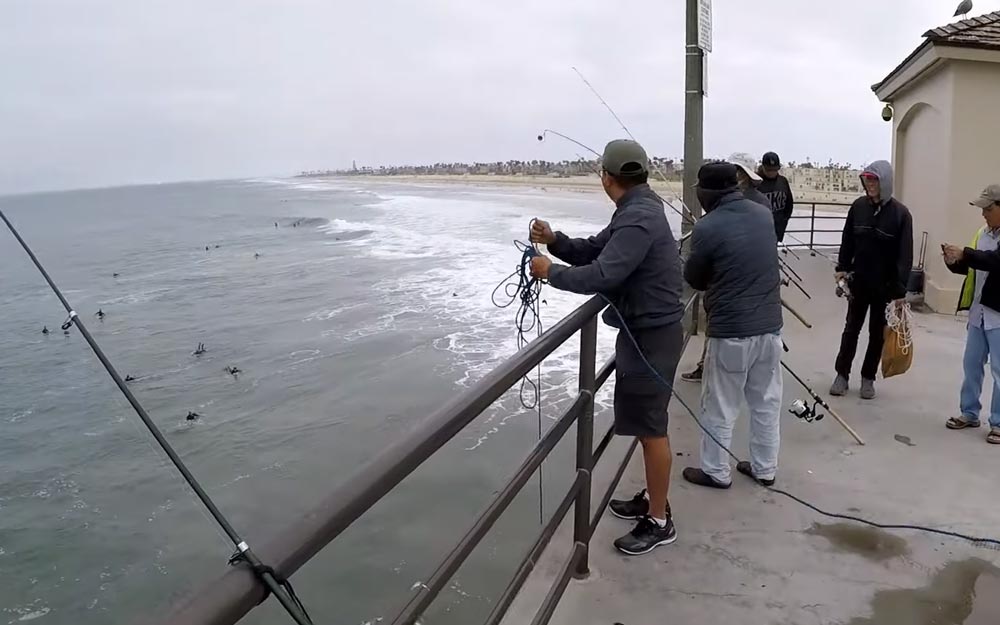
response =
{"points": [[577, 184]]}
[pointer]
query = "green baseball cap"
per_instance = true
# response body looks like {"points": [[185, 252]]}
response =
{"points": [[990, 195], [623, 157]]}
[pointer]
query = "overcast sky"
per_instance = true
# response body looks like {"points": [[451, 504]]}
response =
{"points": [[106, 92]]}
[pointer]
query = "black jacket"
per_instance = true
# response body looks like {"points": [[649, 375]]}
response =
{"points": [[634, 262], [733, 259], [780, 201], [877, 243]]}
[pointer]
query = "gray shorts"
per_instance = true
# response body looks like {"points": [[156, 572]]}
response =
{"points": [[640, 397]]}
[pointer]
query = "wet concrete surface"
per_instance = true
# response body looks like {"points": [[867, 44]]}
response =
{"points": [[965, 592], [868, 542], [748, 556]]}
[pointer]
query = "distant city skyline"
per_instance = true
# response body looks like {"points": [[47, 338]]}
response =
{"points": [[108, 93]]}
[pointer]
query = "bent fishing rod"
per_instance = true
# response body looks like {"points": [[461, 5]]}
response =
{"points": [[281, 588], [684, 215]]}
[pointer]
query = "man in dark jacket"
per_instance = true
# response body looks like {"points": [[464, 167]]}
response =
{"points": [[980, 264], [734, 260], [778, 192], [634, 263], [748, 181], [876, 257]]}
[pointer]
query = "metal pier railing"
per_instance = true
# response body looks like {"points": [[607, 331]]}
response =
{"points": [[227, 599]]}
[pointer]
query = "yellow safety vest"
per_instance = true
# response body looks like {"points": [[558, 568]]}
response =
{"points": [[969, 286]]}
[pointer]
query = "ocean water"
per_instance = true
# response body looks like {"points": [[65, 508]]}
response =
{"points": [[368, 307]]}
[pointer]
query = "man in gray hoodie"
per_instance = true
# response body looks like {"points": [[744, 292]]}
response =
{"points": [[734, 260], [876, 257]]}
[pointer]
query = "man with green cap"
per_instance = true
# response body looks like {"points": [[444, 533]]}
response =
{"points": [[634, 263]]}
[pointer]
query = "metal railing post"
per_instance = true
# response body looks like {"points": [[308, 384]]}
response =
{"points": [[812, 228], [585, 444]]}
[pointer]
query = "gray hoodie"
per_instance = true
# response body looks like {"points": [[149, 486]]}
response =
{"points": [[877, 243]]}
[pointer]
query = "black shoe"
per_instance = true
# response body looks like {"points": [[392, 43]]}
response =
{"points": [[646, 536], [631, 509], [700, 478], [745, 468], [693, 376]]}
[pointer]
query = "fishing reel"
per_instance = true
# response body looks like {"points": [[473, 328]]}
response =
{"points": [[805, 412], [844, 286]]}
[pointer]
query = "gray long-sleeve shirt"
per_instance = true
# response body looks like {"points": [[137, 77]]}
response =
{"points": [[634, 262]]}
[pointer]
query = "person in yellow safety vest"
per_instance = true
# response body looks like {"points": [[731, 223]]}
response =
{"points": [[980, 263]]}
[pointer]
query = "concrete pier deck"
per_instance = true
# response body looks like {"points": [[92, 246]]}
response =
{"points": [[748, 556]]}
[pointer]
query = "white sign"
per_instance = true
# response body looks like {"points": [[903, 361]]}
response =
{"points": [[705, 25]]}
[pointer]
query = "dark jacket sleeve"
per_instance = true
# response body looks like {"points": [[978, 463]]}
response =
{"points": [[845, 259], [787, 213], [626, 247], [961, 267], [982, 261], [904, 259], [579, 251], [698, 268]]}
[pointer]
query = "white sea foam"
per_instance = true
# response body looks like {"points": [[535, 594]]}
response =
{"points": [[465, 248]]}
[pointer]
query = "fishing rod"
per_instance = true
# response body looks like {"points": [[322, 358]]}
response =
{"points": [[655, 165], [278, 586], [684, 215], [788, 265], [548, 131], [789, 280], [819, 401], [812, 250], [786, 250]]}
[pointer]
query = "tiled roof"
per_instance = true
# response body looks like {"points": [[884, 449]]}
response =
{"points": [[975, 32]]}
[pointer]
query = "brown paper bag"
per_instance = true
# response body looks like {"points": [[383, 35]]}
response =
{"points": [[896, 356]]}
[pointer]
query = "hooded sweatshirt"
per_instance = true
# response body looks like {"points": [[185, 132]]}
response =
{"points": [[877, 244], [780, 201]]}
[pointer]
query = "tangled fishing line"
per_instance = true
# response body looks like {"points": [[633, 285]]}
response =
{"points": [[521, 289]]}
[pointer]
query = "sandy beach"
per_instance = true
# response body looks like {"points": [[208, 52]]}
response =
{"points": [[590, 184]]}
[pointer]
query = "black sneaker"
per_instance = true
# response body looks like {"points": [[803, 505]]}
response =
{"points": [[646, 536], [693, 376], [745, 468], [631, 509]]}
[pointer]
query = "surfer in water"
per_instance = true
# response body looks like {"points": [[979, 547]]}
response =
{"points": [[191, 416], [114, 275], [100, 314], [256, 254], [233, 371], [45, 330], [201, 349], [129, 378]]}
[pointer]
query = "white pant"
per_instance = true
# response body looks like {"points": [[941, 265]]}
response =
{"points": [[737, 369]]}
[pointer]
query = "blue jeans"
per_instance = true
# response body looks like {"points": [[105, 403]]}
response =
{"points": [[980, 345]]}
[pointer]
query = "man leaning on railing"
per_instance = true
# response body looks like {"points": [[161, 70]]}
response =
{"points": [[635, 264]]}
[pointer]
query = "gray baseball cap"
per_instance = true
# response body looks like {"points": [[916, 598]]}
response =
{"points": [[990, 195], [623, 157]]}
